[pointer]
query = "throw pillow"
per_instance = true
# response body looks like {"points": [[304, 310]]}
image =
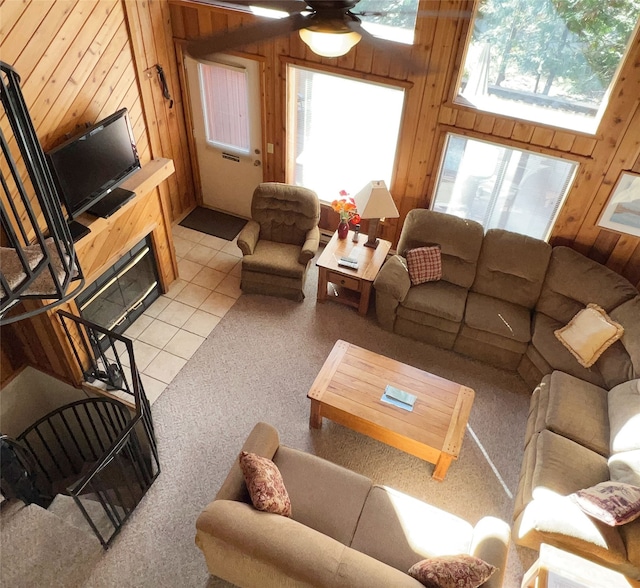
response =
{"points": [[613, 503], [265, 484], [452, 571], [589, 334], [424, 264]]}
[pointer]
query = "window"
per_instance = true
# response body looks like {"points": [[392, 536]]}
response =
{"points": [[342, 132], [501, 187], [395, 21], [548, 61], [226, 105]]}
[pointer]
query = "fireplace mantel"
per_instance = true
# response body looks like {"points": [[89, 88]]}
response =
{"points": [[42, 338]]}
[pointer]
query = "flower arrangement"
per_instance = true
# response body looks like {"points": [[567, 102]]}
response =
{"points": [[346, 208]]}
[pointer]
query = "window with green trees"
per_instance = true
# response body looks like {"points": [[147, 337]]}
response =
{"points": [[548, 61], [390, 19]]}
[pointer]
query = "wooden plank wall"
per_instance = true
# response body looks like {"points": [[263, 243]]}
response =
{"points": [[430, 113], [78, 64]]}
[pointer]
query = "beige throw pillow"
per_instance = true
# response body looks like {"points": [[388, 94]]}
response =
{"points": [[589, 334]]}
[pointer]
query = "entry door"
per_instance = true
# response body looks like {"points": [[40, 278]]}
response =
{"points": [[225, 106]]}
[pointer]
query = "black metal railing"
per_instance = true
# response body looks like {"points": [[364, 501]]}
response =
{"points": [[38, 257], [99, 451]]}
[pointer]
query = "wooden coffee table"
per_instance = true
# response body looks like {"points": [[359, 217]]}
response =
{"points": [[348, 389]]}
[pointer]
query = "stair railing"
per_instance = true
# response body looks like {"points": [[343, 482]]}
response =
{"points": [[99, 451], [38, 256]]}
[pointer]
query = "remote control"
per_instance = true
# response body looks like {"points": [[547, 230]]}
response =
{"points": [[349, 259]]}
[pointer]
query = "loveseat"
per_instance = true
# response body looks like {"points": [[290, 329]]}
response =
{"points": [[501, 298], [344, 530]]}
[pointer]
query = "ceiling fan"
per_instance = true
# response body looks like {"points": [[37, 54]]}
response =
{"points": [[329, 27]]}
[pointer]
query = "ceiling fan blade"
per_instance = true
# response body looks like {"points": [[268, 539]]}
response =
{"points": [[395, 50], [201, 48]]}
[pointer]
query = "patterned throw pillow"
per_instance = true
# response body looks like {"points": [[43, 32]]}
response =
{"points": [[424, 264], [589, 334], [265, 484], [613, 503], [452, 571]]}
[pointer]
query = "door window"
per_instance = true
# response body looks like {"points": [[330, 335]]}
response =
{"points": [[225, 104]]}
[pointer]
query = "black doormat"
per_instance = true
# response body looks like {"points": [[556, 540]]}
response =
{"points": [[212, 222]]}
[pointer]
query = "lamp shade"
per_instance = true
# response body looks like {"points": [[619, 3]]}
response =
{"points": [[329, 44], [375, 201]]}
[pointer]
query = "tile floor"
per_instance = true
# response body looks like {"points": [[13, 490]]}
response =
{"points": [[176, 324]]}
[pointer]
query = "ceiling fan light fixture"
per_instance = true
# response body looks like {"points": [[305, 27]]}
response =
{"points": [[330, 44]]}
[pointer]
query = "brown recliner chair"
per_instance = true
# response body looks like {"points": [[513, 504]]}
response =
{"points": [[280, 241]]}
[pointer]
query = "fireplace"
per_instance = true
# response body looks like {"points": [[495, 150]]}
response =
{"points": [[122, 293]]}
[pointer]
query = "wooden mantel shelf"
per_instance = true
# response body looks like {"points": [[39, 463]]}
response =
{"points": [[142, 182]]}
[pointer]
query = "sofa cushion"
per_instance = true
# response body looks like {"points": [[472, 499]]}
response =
{"points": [[625, 467], [270, 257], [442, 299], [588, 334], [512, 267], [572, 281], [560, 521], [574, 409], [556, 354], [460, 241], [424, 264], [499, 317], [613, 503], [452, 571], [627, 315], [615, 366], [624, 416], [398, 529], [265, 485], [563, 467], [324, 496]]}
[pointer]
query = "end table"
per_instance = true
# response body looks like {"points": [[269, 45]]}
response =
{"points": [[556, 568], [346, 285]]}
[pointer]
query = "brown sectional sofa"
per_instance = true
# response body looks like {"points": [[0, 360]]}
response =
{"points": [[520, 292], [578, 435], [501, 297], [344, 530]]}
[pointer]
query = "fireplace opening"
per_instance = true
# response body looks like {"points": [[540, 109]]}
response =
{"points": [[122, 293]]}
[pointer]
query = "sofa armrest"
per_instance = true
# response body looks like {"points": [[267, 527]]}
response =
{"points": [[310, 246], [248, 237], [490, 542], [393, 278], [252, 548], [263, 440]]}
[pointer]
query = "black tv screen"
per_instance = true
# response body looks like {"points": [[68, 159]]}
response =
{"points": [[89, 166]]}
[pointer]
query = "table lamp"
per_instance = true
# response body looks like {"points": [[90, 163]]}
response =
{"points": [[375, 202]]}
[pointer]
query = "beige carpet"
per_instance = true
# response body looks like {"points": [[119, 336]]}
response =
{"points": [[258, 365]]}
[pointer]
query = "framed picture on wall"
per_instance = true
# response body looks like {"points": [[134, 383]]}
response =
{"points": [[622, 212]]}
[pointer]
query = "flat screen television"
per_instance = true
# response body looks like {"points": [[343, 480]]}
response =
{"points": [[88, 168]]}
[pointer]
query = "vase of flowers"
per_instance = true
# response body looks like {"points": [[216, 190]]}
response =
{"points": [[346, 208]]}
